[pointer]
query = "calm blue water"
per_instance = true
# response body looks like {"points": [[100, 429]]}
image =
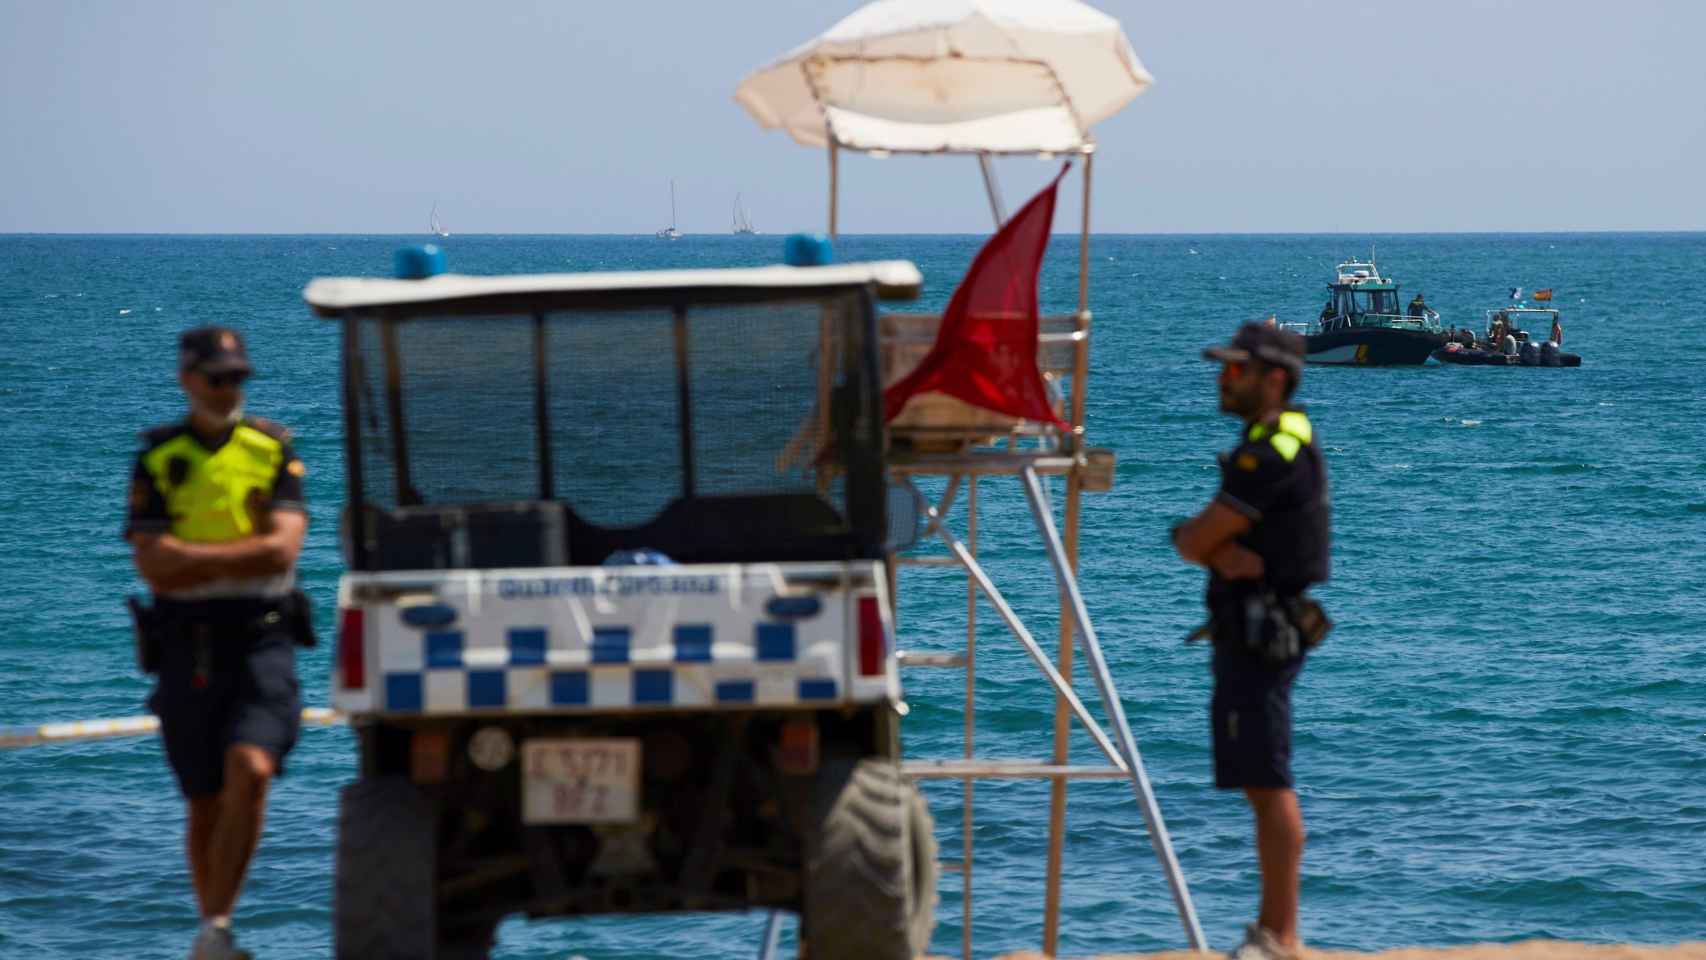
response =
{"points": [[1504, 739]]}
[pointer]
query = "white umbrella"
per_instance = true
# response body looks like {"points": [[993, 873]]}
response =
{"points": [[995, 76]]}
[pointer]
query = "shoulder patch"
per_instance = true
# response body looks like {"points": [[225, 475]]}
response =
{"points": [[271, 428], [1247, 461], [296, 469], [154, 436], [1297, 424]]}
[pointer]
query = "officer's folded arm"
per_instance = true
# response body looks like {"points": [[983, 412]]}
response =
{"points": [[170, 563], [1209, 539]]}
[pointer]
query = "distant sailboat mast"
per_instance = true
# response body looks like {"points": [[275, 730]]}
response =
{"points": [[669, 232], [433, 223], [742, 222]]}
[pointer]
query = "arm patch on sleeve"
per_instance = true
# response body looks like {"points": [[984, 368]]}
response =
{"points": [[271, 428]]}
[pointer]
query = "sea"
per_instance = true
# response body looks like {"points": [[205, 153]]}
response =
{"points": [[1504, 737]]}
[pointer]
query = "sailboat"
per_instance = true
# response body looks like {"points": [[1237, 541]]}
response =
{"points": [[434, 225], [742, 222], [669, 232]]}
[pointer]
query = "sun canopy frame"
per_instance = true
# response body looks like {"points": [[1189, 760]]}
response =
{"points": [[979, 77], [951, 76], [979, 111]]}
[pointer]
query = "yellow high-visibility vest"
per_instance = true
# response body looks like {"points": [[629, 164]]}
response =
{"points": [[212, 496]]}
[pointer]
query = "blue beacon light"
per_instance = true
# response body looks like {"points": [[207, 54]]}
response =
{"points": [[417, 262], [807, 250]]}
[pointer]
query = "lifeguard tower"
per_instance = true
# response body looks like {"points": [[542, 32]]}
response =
{"points": [[985, 79]]}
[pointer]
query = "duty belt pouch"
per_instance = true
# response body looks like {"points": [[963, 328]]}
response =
{"points": [[148, 623], [1278, 630], [1310, 619], [1268, 632], [298, 610]]}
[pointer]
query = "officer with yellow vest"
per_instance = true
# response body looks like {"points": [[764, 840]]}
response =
{"points": [[216, 521], [1264, 539]]}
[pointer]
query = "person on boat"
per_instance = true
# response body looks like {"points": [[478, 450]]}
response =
{"points": [[1557, 331], [216, 520], [1418, 307], [1264, 540], [1496, 332]]}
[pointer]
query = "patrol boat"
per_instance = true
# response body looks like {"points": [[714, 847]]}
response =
{"points": [[1363, 325]]}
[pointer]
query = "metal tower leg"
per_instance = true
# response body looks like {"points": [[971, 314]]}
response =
{"points": [[772, 933], [968, 785], [1019, 631], [1062, 741], [1116, 711]]}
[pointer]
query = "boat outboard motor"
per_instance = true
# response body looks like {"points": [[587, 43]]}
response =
{"points": [[1530, 354], [1549, 354]]}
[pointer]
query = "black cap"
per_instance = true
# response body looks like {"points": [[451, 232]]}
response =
{"points": [[1259, 341], [213, 350]]}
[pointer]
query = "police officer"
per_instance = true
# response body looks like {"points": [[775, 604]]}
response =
{"points": [[1264, 539], [216, 521]]}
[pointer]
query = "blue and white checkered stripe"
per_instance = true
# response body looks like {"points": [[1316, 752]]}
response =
{"points": [[774, 666], [573, 638]]}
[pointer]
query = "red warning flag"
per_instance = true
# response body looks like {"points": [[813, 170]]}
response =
{"points": [[1545, 294], [986, 348]]}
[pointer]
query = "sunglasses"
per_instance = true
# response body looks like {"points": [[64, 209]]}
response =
{"points": [[230, 378]]}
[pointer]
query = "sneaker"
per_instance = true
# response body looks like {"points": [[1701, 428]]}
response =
{"points": [[216, 943], [1260, 944]]}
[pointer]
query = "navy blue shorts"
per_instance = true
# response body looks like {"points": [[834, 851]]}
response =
{"points": [[220, 687], [1251, 713]]}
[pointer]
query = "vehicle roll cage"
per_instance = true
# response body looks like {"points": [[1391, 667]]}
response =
{"points": [[692, 526]]}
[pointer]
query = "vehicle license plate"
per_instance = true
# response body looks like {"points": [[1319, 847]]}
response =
{"points": [[590, 780]]}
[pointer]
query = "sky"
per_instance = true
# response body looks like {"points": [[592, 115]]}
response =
{"points": [[1273, 116]]}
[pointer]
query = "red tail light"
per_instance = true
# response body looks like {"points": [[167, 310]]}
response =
{"points": [[873, 642], [352, 653]]}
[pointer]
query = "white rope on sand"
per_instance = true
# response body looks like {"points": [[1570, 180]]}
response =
{"points": [[31, 736]]}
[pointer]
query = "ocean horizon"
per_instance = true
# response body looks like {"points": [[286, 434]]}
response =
{"points": [[1503, 739]]}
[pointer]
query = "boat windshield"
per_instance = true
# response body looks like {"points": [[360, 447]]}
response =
{"points": [[1351, 302]]}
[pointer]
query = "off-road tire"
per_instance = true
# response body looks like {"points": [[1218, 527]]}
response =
{"points": [[383, 907], [870, 864]]}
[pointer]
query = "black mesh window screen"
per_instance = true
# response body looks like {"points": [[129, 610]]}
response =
{"points": [[713, 432], [367, 374], [615, 413], [757, 425], [468, 408]]}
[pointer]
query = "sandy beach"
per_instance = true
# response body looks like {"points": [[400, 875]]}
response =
{"points": [[1526, 950]]}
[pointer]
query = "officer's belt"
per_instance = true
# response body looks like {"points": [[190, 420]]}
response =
{"points": [[221, 610]]}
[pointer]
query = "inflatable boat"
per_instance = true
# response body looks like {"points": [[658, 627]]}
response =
{"points": [[1527, 355], [1507, 344]]}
